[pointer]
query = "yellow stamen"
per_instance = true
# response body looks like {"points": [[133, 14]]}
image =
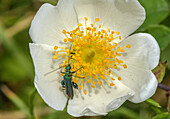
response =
{"points": [[117, 33], [111, 84], [100, 83], [94, 50], [80, 87], [119, 78], [65, 40], [97, 19], [55, 47], [54, 57], [88, 81], [128, 46], [79, 24], [85, 18], [93, 86], [85, 92], [125, 66]]}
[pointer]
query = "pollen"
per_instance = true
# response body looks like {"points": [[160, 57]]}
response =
{"points": [[111, 84], [54, 57], [97, 19], [128, 46], [88, 81], [79, 24], [117, 32], [55, 47], [85, 18], [85, 92], [65, 40], [93, 86], [93, 53], [119, 78], [80, 87], [100, 83], [125, 66]]}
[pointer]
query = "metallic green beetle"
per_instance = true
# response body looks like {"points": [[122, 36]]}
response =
{"points": [[67, 82]]}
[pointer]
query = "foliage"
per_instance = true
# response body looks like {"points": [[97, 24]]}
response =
{"points": [[17, 91]]}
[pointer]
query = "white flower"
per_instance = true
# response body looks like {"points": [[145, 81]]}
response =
{"points": [[117, 66]]}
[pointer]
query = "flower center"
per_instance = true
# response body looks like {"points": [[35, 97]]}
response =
{"points": [[93, 54], [90, 54]]}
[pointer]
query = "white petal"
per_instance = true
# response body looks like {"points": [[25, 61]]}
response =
{"points": [[124, 16], [48, 84], [49, 22], [98, 101], [144, 51], [68, 14], [141, 58], [142, 81]]}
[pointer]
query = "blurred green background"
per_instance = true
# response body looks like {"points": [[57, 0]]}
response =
{"points": [[18, 97]]}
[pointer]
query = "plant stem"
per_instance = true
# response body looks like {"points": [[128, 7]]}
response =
{"points": [[167, 89], [163, 87]]}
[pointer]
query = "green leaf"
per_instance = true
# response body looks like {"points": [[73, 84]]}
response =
{"points": [[15, 99], [165, 56], [12, 69], [156, 11], [159, 71], [125, 112], [153, 102], [161, 34], [31, 103], [156, 110], [53, 2], [18, 54], [161, 116]]}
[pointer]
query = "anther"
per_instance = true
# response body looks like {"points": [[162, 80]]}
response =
{"points": [[85, 92], [125, 66], [112, 32], [88, 81], [64, 32], [119, 37], [111, 84], [60, 66], [100, 83], [55, 47], [122, 50], [115, 66], [85, 18], [93, 86], [128, 46], [97, 19], [118, 49], [117, 33], [65, 40], [80, 87], [119, 78], [79, 24], [54, 57]]}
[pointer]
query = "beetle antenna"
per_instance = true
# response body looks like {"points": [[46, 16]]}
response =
{"points": [[69, 54], [76, 70], [53, 71], [78, 77]]}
